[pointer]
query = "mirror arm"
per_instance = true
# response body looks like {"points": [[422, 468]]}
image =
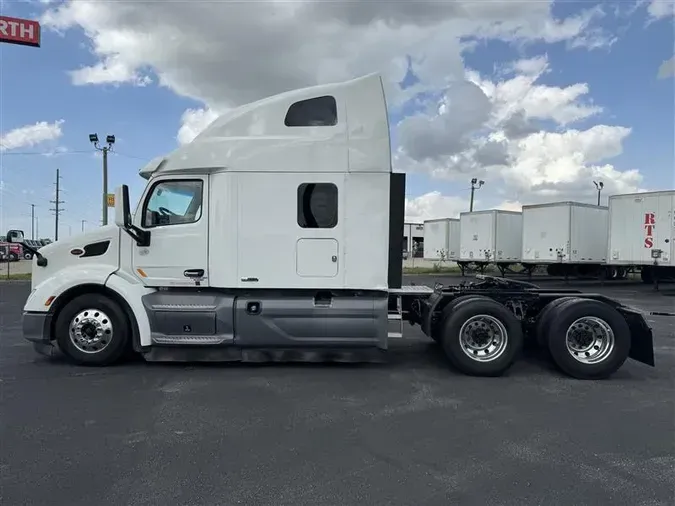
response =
{"points": [[142, 237], [41, 261]]}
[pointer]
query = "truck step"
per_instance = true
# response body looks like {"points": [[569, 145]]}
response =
{"points": [[189, 340]]}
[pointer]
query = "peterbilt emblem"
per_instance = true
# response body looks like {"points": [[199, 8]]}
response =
{"points": [[76, 251]]}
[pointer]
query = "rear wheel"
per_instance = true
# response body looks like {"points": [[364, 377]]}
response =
{"points": [[481, 337], [13, 257], [92, 330], [544, 321], [588, 339], [447, 310]]}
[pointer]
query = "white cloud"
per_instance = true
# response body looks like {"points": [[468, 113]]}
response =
{"points": [[659, 9], [667, 68], [197, 48], [223, 54], [31, 135], [434, 205], [194, 121], [525, 150]]}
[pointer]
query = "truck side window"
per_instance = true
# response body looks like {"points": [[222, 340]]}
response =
{"points": [[320, 111], [317, 205], [175, 202]]}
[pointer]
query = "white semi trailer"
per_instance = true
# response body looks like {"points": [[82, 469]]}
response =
{"points": [[642, 233], [276, 235], [570, 238]]}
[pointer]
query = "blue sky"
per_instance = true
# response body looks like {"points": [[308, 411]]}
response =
{"points": [[145, 120]]}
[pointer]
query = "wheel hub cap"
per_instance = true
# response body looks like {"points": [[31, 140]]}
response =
{"points": [[590, 340], [91, 330], [483, 338]]}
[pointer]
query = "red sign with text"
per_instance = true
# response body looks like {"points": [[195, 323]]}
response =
{"points": [[19, 31], [650, 225]]}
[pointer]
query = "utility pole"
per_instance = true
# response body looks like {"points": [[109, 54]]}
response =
{"points": [[32, 221], [57, 210], [110, 140], [599, 185], [83, 222], [475, 185]]}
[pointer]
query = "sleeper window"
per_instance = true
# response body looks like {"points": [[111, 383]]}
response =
{"points": [[320, 111], [317, 205], [174, 203]]}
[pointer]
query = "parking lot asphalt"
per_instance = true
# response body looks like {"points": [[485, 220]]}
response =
{"points": [[408, 432]]}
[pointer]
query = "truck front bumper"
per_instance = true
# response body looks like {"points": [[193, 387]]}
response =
{"points": [[36, 329]]}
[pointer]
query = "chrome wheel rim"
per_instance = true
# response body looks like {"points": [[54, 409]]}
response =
{"points": [[590, 340], [483, 338], [91, 331]]}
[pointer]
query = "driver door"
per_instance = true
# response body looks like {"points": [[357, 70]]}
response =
{"points": [[175, 212]]}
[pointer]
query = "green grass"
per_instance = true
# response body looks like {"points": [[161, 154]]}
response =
{"points": [[24, 276]]}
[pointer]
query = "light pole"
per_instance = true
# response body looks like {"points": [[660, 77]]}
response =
{"points": [[599, 185], [110, 140], [475, 185], [83, 222]]}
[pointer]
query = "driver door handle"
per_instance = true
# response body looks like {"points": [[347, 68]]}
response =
{"points": [[194, 273]]}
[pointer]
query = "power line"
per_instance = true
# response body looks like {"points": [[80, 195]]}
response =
{"points": [[41, 153], [56, 209], [58, 153]]}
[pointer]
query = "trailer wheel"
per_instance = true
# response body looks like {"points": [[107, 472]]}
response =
{"points": [[13, 257], [544, 320], [449, 308], [588, 339], [481, 337], [92, 330]]}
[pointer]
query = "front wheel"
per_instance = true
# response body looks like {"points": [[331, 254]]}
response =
{"points": [[588, 339], [481, 337], [92, 329]]}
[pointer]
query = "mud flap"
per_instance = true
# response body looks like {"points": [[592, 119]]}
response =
{"points": [[642, 339]]}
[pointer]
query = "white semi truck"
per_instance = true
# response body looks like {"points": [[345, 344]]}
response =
{"points": [[276, 235]]}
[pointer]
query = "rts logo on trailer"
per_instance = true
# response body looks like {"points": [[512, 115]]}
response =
{"points": [[650, 225], [19, 31]]}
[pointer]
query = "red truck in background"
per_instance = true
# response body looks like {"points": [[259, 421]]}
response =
{"points": [[10, 252]]}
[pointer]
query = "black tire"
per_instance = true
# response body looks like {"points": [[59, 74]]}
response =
{"points": [[541, 327], [451, 338], [622, 272], [13, 257], [449, 308], [27, 256], [563, 318], [111, 313]]}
